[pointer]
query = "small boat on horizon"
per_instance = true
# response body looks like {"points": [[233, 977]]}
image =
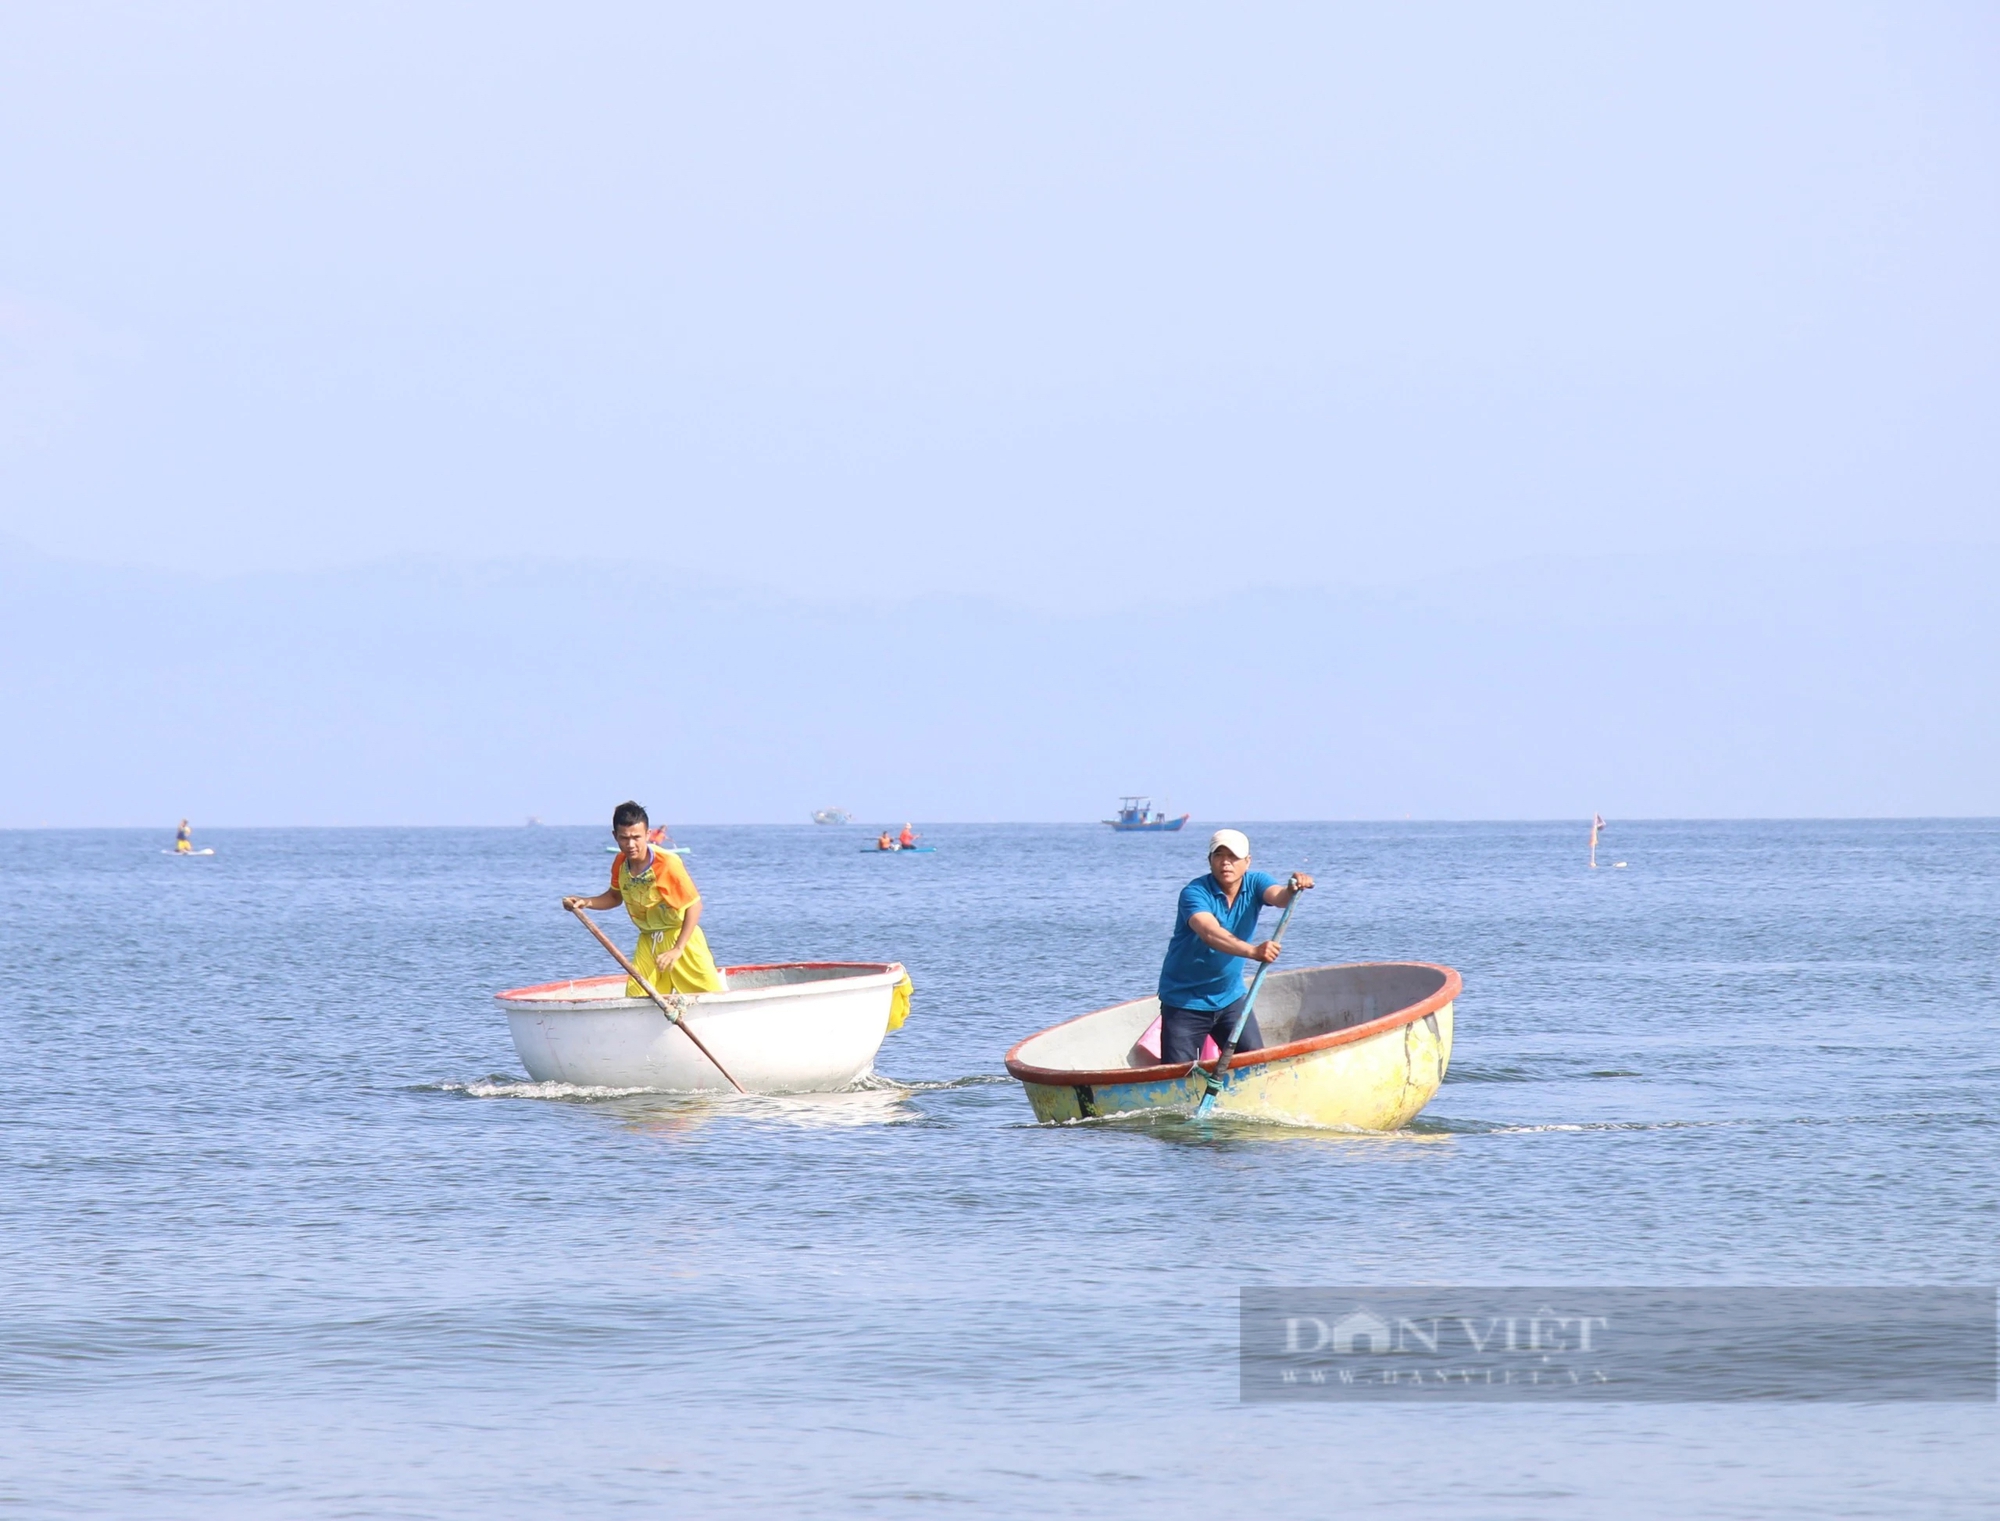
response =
{"points": [[661, 841], [1357, 1047], [1136, 814], [795, 1027], [832, 816]]}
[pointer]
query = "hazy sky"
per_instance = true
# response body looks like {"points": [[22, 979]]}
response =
{"points": [[997, 294], [1063, 308]]}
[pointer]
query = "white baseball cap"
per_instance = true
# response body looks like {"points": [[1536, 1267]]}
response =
{"points": [[1235, 841]]}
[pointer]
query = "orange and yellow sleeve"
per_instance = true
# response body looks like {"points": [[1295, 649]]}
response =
{"points": [[676, 886]]}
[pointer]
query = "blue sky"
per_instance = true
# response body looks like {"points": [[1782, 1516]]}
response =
{"points": [[1072, 318]]}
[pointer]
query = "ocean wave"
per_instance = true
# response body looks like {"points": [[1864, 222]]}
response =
{"points": [[937, 1085], [872, 1101], [1442, 1123], [508, 1087]]}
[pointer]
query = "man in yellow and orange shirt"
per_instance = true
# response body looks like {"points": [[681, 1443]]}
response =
{"points": [[660, 896]]}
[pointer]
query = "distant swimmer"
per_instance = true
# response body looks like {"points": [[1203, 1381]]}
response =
{"points": [[907, 838], [885, 841], [658, 893], [184, 840]]}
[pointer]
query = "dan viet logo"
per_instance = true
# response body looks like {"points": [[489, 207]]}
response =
{"points": [[1532, 1348], [1837, 1342], [1362, 1330]]}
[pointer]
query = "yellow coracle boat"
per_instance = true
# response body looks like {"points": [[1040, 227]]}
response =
{"points": [[1358, 1047]]}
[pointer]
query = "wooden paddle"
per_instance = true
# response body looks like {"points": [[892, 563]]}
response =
{"points": [[667, 1009], [1220, 1070]]}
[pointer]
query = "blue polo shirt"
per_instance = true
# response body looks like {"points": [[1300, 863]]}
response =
{"points": [[1197, 976]]}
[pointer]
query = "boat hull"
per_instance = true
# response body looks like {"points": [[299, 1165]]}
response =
{"points": [[1370, 1047], [1160, 826], [799, 1028]]}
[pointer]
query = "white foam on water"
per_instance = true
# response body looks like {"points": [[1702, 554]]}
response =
{"points": [[827, 1111], [874, 1101], [502, 1088], [1553, 1127], [936, 1085]]}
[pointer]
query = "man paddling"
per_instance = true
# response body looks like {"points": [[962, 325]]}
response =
{"points": [[1201, 981], [660, 896]]}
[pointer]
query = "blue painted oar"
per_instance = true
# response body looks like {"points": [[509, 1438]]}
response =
{"points": [[1220, 1070]]}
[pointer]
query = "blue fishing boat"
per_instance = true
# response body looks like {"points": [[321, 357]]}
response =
{"points": [[1137, 813]]}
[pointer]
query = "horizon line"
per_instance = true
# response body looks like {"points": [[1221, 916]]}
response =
{"points": [[1219, 823]]}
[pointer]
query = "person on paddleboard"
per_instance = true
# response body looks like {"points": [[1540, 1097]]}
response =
{"points": [[907, 838], [1201, 980], [184, 840], [660, 896]]}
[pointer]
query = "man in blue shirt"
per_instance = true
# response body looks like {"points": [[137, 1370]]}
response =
{"points": [[1201, 981]]}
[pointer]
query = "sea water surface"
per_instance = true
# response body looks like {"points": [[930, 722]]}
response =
{"points": [[287, 1232]]}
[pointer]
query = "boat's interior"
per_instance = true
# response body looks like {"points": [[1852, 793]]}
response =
{"points": [[741, 977], [734, 980], [1291, 1006]]}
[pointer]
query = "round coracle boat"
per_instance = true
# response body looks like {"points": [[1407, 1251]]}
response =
{"points": [[802, 1027], [1358, 1047]]}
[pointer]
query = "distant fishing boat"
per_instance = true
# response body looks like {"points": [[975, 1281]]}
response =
{"points": [[832, 816], [1359, 1047], [661, 841], [1136, 813], [801, 1027]]}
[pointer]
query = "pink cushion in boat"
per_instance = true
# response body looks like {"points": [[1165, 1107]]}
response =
{"points": [[1150, 1043]]}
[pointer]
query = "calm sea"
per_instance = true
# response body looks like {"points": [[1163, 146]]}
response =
{"points": [[286, 1231]]}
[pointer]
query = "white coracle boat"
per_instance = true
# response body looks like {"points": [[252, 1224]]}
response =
{"points": [[800, 1027]]}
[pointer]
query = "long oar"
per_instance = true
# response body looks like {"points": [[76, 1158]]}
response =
{"points": [[651, 992], [1220, 1070]]}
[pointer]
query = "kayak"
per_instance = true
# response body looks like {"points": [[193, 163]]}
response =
{"points": [[801, 1027], [1357, 1047], [900, 850]]}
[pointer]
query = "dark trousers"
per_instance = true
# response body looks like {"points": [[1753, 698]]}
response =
{"points": [[1181, 1030]]}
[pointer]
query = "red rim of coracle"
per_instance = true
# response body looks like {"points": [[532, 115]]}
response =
{"points": [[860, 968], [1066, 1077]]}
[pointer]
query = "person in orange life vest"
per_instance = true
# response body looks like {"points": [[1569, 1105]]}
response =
{"points": [[885, 841], [672, 954], [907, 838]]}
